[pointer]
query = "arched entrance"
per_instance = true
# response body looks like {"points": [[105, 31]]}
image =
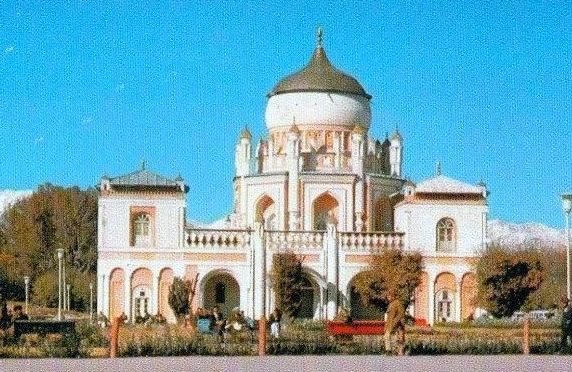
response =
{"points": [[324, 211], [266, 213], [221, 290], [141, 293], [445, 297]]}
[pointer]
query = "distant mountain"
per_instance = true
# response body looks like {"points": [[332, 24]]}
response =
{"points": [[8, 197], [525, 234]]}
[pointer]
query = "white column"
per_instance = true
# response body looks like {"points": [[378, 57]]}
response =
{"points": [[359, 205], [293, 180], [127, 294], [458, 301], [259, 270], [431, 302], [102, 295], [332, 277], [155, 294]]}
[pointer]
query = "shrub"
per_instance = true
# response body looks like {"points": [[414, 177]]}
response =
{"points": [[392, 270]]}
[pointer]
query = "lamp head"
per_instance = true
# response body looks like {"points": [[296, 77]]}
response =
{"points": [[60, 253], [26, 279], [567, 202]]}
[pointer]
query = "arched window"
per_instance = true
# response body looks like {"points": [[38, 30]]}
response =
{"points": [[444, 306], [325, 210], [141, 229], [266, 213], [446, 235]]}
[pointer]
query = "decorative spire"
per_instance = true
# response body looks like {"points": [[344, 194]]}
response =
{"points": [[319, 36], [245, 133], [438, 169], [143, 164], [294, 127]]}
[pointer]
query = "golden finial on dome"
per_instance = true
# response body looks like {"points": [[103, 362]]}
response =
{"points": [[319, 36]]}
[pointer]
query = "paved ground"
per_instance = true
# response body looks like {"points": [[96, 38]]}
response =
{"points": [[297, 364]]}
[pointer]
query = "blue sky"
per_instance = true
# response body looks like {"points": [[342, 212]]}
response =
{"points": [[95, 87]]}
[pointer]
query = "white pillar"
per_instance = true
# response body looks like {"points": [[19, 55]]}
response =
{"points": [[332, 278], [458, 301], [431, 302], [155, 294], [127, 294], [102, 292], [259, 270]]}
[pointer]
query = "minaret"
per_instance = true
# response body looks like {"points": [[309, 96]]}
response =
{"points": [[395, 154], [293, 156], [358, 155], [242, 154]]}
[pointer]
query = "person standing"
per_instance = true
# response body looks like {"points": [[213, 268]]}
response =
{"points": [[218, 321], [275, 319], [395, 320], [566, 323]]}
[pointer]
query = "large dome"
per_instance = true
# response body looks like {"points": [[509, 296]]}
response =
{"points": [[319, 76], [319, 94]]}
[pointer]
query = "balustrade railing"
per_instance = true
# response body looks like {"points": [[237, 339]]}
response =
{"points": [[225, 239], [294, 240], [370, 241]]}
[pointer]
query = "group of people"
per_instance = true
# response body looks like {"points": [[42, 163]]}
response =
{"points": [[236, 321]]}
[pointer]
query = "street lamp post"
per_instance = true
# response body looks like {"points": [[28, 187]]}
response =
{"points": [[60, 257], [567, 207], [68, 297], [90, 303], [26, 286]]}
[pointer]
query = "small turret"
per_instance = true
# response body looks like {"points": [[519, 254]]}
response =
{"points": [[358, 149], [242, 153], [395, 154]]}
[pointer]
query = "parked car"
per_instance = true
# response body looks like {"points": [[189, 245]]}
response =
{"points": [[538, 315]]}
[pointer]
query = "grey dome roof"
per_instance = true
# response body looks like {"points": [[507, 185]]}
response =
{"points": [[319, 76]]}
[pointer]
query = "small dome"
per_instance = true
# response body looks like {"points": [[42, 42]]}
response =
{"points": [[319, 76]]}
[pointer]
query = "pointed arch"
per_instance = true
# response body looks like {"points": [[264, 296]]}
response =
{"points": [[324, 211], [266, 212]]}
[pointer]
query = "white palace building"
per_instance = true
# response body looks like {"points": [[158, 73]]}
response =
{"points": [[317, 185]]}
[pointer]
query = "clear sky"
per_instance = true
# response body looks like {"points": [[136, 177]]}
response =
{"points": [[95, 87]]}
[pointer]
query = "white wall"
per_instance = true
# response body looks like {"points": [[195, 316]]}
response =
{"points": [[419, 222]]}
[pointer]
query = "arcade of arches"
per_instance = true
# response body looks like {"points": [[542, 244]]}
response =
{"points": [[453, 297]]}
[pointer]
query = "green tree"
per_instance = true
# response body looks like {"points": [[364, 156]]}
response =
{"points": [[554, 284], [45, 290], [32, 229], [506, 278], [287, 280], [393, 270]]}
